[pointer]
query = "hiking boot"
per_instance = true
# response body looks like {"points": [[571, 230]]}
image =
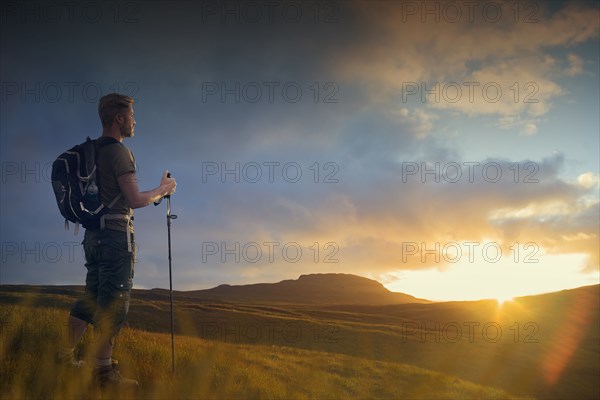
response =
{"points": [[68, 361], [110, 376]]}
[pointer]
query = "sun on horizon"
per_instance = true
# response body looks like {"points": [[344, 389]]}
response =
{"points": [[503, 299], [503, 280]]}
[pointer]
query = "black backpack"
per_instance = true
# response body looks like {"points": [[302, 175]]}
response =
{"points": [[76, 186]]}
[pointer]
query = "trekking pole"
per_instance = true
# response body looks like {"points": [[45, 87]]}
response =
{"points": [[169, 218]]}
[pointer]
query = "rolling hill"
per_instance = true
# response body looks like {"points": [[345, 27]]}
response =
{"points": [[544, 346], [310, 289], [210, 369], [314, 289]]}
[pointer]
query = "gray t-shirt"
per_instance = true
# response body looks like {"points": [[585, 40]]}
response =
{"points": [[114, 159]]}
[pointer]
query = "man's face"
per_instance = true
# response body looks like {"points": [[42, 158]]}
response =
{"points": [[128, 125]]}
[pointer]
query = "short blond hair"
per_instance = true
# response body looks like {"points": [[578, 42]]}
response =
{"points": [[112, 104]]}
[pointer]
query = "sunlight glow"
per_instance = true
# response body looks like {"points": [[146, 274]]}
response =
{"points": [[503, 299], [501, 280]]}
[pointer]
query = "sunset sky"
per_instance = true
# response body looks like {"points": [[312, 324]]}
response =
{"points": [[449, 152]]}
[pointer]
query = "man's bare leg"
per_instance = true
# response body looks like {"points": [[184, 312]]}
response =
{"points": [[75, 330]]}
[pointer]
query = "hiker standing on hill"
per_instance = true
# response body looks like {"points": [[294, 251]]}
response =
{"points": [[110, 252]]}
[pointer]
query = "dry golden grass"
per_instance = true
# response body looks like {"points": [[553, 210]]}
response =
{"points": [[549, 347], [207, 369]]}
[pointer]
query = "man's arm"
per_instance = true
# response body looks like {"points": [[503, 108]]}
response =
{"points": [[136, 199]]}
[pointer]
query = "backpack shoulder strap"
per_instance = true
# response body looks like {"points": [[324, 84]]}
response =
{"points": [[89, 148]]}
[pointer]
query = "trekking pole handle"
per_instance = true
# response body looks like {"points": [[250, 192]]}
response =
{"points": [[167, 196], [168, 176], [169, 215]]}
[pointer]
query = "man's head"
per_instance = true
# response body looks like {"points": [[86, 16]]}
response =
{"points": [[116, 110]]}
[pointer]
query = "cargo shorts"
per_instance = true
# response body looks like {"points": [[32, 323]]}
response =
{"points": [[109, 279]]}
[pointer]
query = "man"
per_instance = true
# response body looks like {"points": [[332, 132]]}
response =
{"points": [[110, 252]]}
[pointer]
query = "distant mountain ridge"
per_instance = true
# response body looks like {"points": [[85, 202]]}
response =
{"points": [[329, 288]]}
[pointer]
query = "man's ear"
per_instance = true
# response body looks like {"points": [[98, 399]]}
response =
{"points": [[119, 119]]}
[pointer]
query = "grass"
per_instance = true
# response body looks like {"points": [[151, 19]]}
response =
{"points": [[549, 347], [208, 369]]}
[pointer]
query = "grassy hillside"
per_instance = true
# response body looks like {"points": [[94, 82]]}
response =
{"points": [[540, 346], [209, 369]]}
